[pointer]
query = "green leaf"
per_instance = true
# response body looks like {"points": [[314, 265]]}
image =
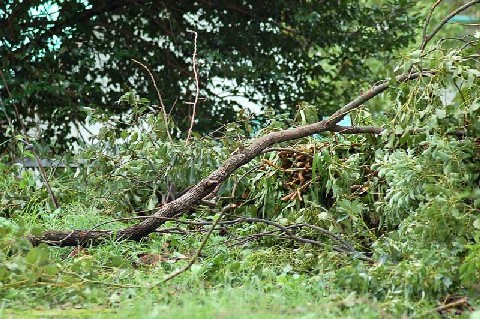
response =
{"points": [[51, 269], [33, 255], [440, 113], [476, 223]]}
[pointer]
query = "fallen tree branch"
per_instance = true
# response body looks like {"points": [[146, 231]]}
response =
{"points": [[204, 187]]}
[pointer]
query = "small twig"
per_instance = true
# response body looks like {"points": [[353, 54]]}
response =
{"points": [[347, 247], [427, 20], [31, 148], [245, 239], [450, 305], [340, 249], [178, 231], [162, 106], [437, 28], [235, 185], [45, 179], [100, 282], [199, 250], [4, 107], [357, 129], [285, 149], [329, 234], [371, 93], [15, 108], [194, 104]]}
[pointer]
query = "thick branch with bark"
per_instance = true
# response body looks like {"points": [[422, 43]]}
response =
{"points": [[209, 183]]}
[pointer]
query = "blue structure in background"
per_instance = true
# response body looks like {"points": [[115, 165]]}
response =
{"points": [[462, 18], [346, 121]]}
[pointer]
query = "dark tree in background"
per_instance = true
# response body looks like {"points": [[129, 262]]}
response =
{"points": [[60, 56]]}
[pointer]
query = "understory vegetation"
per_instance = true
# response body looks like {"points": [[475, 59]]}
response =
{"points": [[376, 219], [346, 225]]}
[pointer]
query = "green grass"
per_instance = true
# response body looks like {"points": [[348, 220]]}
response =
{"points": [[273, 279], [221, 302], [107, 282]]}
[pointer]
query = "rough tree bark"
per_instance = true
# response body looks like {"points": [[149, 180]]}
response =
{"points": [[236, 160]]}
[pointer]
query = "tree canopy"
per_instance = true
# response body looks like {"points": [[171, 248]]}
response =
{"points": [[61, 56]]}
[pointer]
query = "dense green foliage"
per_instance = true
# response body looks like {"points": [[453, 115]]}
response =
{"points": [[408, 200], [61, 56], [330, 226]]}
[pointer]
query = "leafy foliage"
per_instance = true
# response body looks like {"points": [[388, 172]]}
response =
{"points": [[407, 201], [61, 56]]}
